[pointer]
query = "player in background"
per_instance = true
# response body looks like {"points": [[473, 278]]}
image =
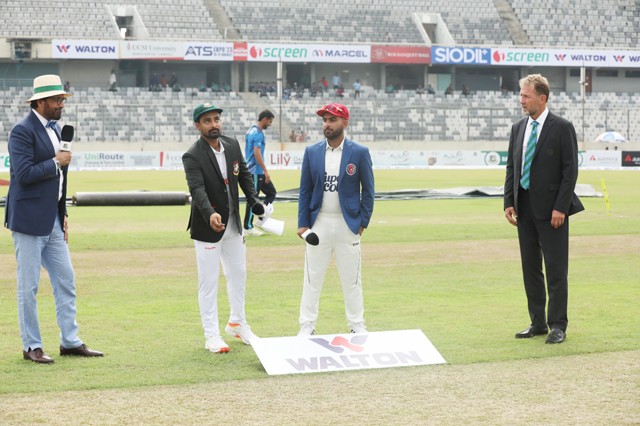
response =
{"points": [[254, 154]]}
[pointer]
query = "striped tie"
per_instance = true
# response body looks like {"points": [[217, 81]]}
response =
{"points": [[528, 156]]}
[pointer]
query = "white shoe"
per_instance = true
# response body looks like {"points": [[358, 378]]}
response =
{"points": [[359, 328], [253, 232], [216, 345], [241, 331], [307, 329]]}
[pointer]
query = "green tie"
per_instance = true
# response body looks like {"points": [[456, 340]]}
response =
{"points": [[528, 156]]}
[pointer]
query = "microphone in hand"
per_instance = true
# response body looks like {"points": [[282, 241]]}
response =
{"points": [[258, 209], [311, 237], [66, 136]]}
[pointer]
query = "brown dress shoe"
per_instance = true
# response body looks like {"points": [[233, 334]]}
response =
{"points": [[37, 355], [81, 350]]}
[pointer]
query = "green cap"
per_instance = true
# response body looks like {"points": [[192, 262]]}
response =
{"points": [[202, 108]]}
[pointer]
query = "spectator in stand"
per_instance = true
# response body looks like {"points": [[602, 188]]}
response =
{"points": [[292, 136], [336, 80], [356, 87], [112, 81], [325, 84], [389, 89], [340, 91], [215, 87], [173, 80], [420, 90], [315, 89], [449, 90], [154, 83], [430, 89], [465, 90], [67, 86], [164, 82], [203, 87]]}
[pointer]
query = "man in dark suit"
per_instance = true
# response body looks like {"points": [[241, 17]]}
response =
{"points": [[337, 192], [214, 168], [36, 214], [541, 175]]}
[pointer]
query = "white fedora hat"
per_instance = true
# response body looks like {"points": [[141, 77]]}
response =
{"points": [[46, 86]]}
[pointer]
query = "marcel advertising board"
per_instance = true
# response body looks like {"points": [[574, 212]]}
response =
{"points": [[288, 52]]}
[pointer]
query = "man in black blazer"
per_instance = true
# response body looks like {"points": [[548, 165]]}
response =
{"points": [[214, 168], [541, 175]]}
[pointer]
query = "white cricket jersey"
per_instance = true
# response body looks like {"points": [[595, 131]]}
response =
{"points": [[222, 163], [330, 200]]}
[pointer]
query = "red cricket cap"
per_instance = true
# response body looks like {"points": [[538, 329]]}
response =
{"points": [[338, 110]]}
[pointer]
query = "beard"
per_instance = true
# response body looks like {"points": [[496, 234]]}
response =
{"points": [[333, 134], [213, 133]]}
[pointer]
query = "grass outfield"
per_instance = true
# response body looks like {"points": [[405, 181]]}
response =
{"points": [[448, 267]]}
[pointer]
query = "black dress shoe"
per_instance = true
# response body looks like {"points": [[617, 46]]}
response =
{"points": [[37, 355], [81, 350], [556, 336], [530, 332]]}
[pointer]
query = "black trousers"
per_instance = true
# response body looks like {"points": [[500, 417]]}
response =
{"points": [[539, 240], [269, 192]]}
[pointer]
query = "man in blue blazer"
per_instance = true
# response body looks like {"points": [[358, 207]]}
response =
{"points": [[37, 216], [335, 204], [541, 175]]}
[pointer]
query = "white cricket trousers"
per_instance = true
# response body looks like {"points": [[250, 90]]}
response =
{"points": [[335, 238], [231, 252]]}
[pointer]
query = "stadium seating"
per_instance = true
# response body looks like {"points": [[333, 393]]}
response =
{"points": [[162, 19], [363, 21], [570, 23], [137, 115], [134, 114], [590, 23]]}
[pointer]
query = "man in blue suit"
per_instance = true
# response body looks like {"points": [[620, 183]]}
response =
{"points": [[36, 214], [336, 203]]}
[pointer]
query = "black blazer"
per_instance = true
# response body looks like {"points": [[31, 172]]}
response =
{"points": [[554, 168], [208, 189]]}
